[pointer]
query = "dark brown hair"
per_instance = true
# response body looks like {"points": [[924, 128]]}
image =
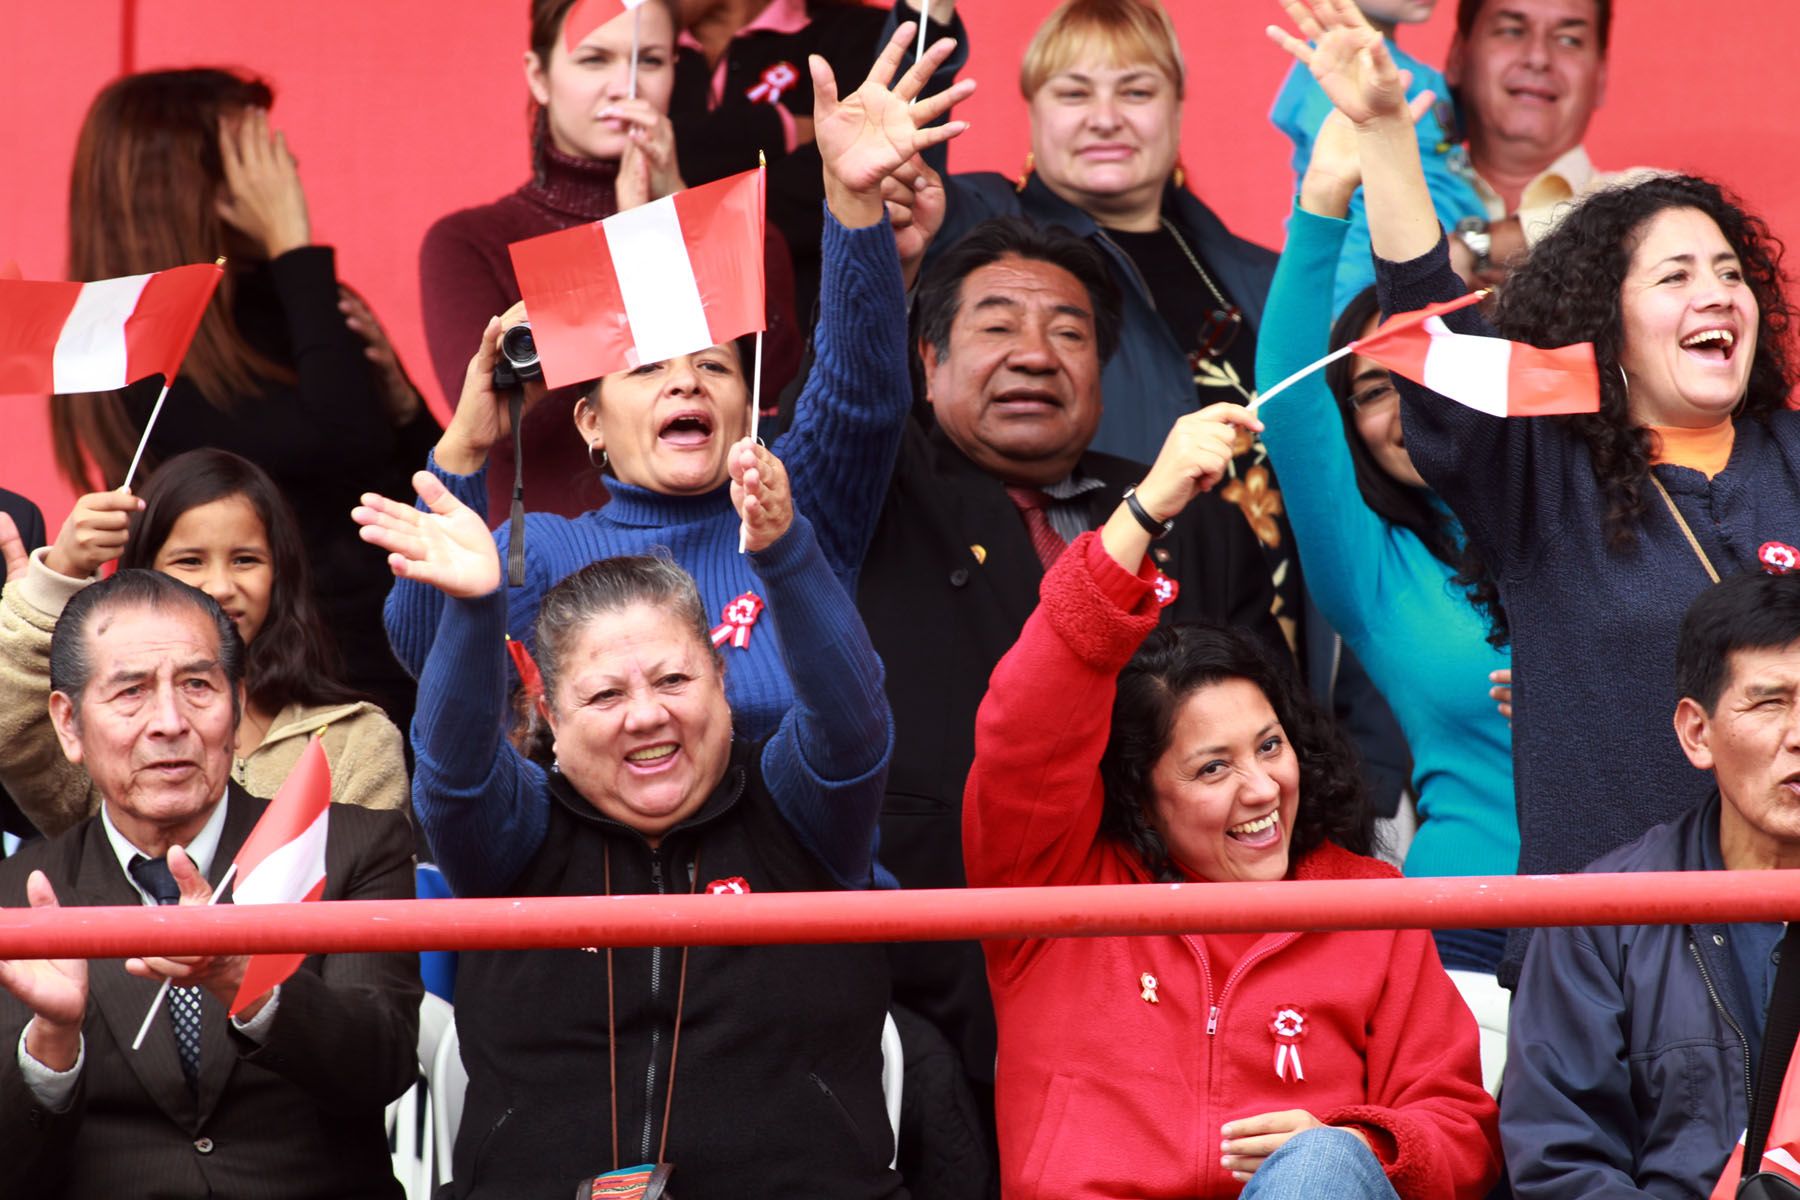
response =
{"points": [[293, 659], [142, 198]]}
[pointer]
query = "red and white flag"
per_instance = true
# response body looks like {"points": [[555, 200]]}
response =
{"points": [[283, 861], [589, 15], [666, 278], [1489, 374], [1781, 1153], [96, 337]]}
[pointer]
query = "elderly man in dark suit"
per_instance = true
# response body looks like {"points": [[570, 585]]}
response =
{"points": [[284, 1100], [1015, 322]]}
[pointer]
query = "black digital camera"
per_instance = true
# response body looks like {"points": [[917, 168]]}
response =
{"points": [[518, 359]]}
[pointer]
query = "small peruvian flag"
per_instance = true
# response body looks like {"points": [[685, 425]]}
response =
{"points": [[283, 861], [1781, 1155], [589, 15], [669, 277], [1491, 375], [97, 337]]}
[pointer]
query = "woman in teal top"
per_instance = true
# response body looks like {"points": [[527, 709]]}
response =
{"points": [[1379, 551]]}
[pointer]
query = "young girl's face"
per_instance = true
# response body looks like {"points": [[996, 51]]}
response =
{"points": [[223, 549]]}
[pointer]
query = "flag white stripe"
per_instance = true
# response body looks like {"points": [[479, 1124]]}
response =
{"points": [[1472, 370], [290, 871], [90, 351], [1783, 1159], [656, 281]]}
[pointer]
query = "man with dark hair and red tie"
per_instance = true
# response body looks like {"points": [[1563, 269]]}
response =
{"points": [[992, 481], [284, 1100]]}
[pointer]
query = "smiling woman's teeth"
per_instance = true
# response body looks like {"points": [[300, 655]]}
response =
{"points": [[651, 753], [1256, 826]]}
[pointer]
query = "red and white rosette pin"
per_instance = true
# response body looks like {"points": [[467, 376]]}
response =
{"points": [[1778, 558], [736, 620], [1166, 590], [1289, 1027], [776, 79], [736, 885]]}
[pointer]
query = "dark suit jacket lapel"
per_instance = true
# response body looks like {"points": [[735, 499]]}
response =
{"points": [[121, 999], [218, 1050], [981, 514]]}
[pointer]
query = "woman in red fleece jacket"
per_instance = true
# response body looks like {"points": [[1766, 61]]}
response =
{"points": [[1209, 1064]]}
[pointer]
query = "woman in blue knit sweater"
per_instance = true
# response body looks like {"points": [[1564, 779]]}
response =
{"points": [[1596, 531], [663, 430], [1381, 554]]}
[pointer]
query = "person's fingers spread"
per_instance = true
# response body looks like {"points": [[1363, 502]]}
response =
{"points": [[887, 63], [920, 73], [932, 107], [825, 93], [927, 138]]}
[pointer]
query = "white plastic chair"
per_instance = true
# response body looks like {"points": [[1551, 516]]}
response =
{"points": [[448, 1083], [410, 1118], [893, 1073]]}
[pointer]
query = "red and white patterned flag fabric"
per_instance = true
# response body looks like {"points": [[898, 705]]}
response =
{"points": [[1781, 1155], [589, 15], [1492, 375], [669, 277], [283, 861], [97, 337]]}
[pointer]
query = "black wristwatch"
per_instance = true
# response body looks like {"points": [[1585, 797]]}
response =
{"points": [[1152, 526]]}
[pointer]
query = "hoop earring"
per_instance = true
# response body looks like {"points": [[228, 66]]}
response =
{"points": [[1624, 380], [600, 465], [1025, 175]]}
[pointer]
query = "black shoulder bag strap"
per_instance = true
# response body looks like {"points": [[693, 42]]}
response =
{"points": [[1779, 1032]]}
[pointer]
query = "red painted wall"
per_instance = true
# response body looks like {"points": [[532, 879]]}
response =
{"points": [[402, 110]]}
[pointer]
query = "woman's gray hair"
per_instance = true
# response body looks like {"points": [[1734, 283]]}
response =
{"points": [[613, 585]]}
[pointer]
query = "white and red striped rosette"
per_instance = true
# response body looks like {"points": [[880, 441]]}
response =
{"points": [[736, 621]]}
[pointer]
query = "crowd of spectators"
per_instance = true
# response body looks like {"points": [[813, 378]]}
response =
{"points": [[1021, 587]]}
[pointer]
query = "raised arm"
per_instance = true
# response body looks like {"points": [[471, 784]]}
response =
{"points": [[826, 764], [1031, 810], [847, 421], [483, 806]]}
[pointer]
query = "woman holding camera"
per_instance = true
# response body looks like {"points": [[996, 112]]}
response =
{"points": [[1111, 751], [753, 1071], [595, 151], [662, 430]]}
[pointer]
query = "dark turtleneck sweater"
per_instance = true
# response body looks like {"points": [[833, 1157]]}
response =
{"points": [[466, 276]]}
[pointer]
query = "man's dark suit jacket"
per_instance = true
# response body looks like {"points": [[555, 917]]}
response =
{"points": [[299, 1116], [942, 614]]}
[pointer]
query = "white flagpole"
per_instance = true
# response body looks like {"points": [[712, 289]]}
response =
{"points": [[162, 993], [144, 441], [637, 26], [755, 419], [919, 54], [1302, 373]]}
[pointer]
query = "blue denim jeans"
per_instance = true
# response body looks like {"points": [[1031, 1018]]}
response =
{"points": [[1320, 1164]]}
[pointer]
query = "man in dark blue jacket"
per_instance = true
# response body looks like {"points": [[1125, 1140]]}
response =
{"points": [[1628, 1068]]}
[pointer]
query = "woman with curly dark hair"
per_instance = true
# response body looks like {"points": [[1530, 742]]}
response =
{"points": [[1330, 1065], [1595, 531]]}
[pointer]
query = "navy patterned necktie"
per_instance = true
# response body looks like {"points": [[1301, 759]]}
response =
{"points": [[152, 874]]}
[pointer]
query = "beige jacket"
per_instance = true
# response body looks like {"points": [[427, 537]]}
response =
{"points": [[368, 764]]}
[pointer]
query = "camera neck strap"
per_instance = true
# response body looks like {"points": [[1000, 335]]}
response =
{"points": [[515, 542], [612, 1034]]}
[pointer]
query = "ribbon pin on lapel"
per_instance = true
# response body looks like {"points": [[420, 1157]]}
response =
{"points": [[1778, 558], [738, 617], [1148, 982], [736, 885], [1166, 590]]}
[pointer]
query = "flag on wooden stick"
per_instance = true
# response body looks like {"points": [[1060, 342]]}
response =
{"points": [[97, 337], [663, 279]]}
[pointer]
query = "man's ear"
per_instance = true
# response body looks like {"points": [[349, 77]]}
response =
{"points": [[928, 356], [1453, 62], [1694, 727], [68, 728]]}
